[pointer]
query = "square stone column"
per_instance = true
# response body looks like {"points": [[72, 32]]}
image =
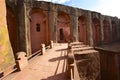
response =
{"points": [[101, 29], [52, 22], [89, 28], [74, 26], [110, 32], [118, 29], [23, 34]]}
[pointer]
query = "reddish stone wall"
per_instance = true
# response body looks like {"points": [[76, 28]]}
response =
{"points": [[38, 29], [106, 31], [82, 29], [96, 31], [87, 30], [63, 28], [109, 66]]}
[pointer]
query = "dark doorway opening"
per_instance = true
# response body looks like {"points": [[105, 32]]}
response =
{"points": [[38, 27], [61, 34]]}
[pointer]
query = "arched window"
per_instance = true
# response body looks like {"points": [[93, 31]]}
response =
{"points": [[38, 27]]}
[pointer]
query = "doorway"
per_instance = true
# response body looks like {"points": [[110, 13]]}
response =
{"points": [[63, 28], [61, 34]]}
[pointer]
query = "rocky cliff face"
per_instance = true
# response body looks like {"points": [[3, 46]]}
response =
{"points": [[89, 69], [6, 53]]}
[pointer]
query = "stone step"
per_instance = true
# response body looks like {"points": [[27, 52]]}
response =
{"points": [[76, 43], [86, 52], [79, 46], [82, 49]]}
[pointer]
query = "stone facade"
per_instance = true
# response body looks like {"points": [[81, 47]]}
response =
{"points": [[32, 23], [56, 22], [39, 22]]}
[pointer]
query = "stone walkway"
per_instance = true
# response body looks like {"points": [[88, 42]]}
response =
{"points": [[50, 66]]}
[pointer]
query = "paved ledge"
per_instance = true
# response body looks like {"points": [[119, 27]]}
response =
{"points": [[50, 66]]}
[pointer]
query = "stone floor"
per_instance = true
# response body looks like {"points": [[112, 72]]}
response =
{"points": [[50, 66]]}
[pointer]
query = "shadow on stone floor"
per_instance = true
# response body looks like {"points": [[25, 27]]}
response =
{"points": [[61, 76], [65, 49], [62, 56], [57, 58]]}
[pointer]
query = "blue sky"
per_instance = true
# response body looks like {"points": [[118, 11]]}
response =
{"points": [[106, 7], [85, 4]]}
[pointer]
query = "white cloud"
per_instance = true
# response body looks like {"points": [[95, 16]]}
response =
{"points": [[45, 0], [109, 7], [63, 1], [56, 1]]}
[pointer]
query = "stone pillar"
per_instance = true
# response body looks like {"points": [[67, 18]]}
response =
{"points": [[22, 27], [101, 29], [69, 48], [118, 29], [51, 44], [52, 22], [21, 61], [43, 48], [89, 28], [110, 28], [74, 25]]}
